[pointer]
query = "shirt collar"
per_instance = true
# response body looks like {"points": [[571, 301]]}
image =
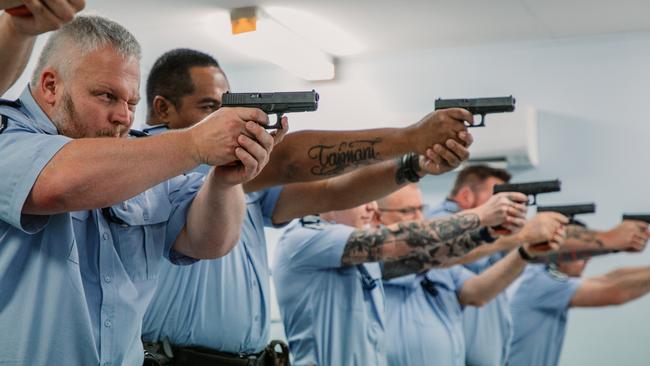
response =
{"points": [[451, 205], [40, 119]]}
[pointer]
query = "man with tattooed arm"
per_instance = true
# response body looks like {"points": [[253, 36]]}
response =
{"points": [[328, 273], [424, 310], [186, 85]]}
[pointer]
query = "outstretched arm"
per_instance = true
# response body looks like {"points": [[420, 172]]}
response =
{"points": [[413, 246], [313, 155], [615, 288], [18, 34], [480, 289]]}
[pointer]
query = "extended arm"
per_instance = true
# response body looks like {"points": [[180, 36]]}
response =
{"points": [[16, 48], [18, 34], [479, 290], [313, 155], [412, 246], [615, 288]]}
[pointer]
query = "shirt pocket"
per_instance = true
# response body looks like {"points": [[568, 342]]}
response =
{"points": [[140, 240]]}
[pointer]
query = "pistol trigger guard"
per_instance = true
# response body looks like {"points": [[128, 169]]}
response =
{"points": [[278, 122], [533, 201], [482, 124]]}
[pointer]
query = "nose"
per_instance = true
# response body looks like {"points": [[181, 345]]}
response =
{"points": [[122, 115]]}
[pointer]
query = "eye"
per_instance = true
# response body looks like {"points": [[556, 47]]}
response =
{"points": [[107, 97]]}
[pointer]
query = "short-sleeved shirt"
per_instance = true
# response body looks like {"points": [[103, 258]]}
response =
{"points": [[539, 307], [221, 304], [332, 314], [75, 285], [424, 319], [487, 329]]}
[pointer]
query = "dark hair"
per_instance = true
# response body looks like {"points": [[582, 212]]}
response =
{"points": [[474, 175], [170, 74]]}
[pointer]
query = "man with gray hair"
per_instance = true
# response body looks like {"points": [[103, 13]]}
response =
{"points": [[86, 220], [18, 32]]}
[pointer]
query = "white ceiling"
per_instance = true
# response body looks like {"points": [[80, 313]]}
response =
{"points": [[386, 26]]}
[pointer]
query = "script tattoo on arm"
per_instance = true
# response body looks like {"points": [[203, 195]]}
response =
{"points": [[335, 159], [584, 235], [413, 246]]}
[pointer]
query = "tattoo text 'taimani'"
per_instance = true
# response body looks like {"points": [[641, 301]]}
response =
{"points": [[334, 159]]}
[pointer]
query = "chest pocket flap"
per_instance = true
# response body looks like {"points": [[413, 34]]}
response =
{"points": [[139, 229]]}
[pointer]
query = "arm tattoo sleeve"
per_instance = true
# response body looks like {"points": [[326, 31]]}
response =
{"points": [[583, 235], [416, 245]]}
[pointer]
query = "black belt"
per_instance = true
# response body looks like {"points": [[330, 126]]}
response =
{"points": [[155, 354], [207, 357]]}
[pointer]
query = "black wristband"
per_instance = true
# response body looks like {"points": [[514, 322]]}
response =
{"points": [[486, 237], [524, 254], [409, 166]]}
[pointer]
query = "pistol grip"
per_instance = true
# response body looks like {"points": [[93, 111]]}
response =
{"points": [[278, 123]]}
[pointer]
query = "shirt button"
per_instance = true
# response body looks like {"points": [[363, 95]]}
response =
{"points": [[107, 279], [257, 318], [105, 236], [254, 283], [108, 324]]}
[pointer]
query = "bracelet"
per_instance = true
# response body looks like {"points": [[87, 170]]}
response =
{"points": [[524, 254], [409, 166]]}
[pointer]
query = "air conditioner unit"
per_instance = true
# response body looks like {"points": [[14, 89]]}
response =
{"points": [[509, 140]]}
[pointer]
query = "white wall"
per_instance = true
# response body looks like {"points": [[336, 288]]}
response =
{"points": [[593, 135], [591, 94]]}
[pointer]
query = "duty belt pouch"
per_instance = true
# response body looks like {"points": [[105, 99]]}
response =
{"points": [[155, 354], [275, 358]]}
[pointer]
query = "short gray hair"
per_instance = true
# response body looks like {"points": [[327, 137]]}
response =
{"points": [[83, 35]]}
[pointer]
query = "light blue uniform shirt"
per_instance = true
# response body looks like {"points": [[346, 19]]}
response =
{"points": [[332, 315], [488, 329], [74, 286], [222, 304], [540, 306]]}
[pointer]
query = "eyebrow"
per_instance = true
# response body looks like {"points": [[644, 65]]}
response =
{"points": [[209, 100]]}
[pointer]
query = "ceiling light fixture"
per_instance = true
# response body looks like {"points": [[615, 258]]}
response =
{"points": [[258, 35]]}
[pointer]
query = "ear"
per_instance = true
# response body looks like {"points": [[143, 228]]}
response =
{"points": [[49, 86], [465, 198], [162, 109]]}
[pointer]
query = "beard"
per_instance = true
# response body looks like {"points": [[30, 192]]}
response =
{"points": [[66, 119]]}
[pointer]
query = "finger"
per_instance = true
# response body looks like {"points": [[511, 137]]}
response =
{"points": [[61, 9], [447, 156], [459, 150], [247, 160], [252, 114], [521, 209], [515, 222], [278, 135], [466, 137], [433, 156], [261, 135], [42, 16], [517, 197], [459, 114], [78, 5], [253, 148]]}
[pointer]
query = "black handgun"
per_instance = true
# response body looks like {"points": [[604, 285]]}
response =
{"points": [[481, 106], [277, 103], [530, 188], [637, 217], [570, 211]]}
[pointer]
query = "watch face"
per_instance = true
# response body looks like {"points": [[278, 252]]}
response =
{"points": [[555, 273]]}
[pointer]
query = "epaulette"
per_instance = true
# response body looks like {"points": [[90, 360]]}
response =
{"points": [[11, 103], [137, 133], [4, 122], [555, 273], [312, 222], [155, 129]]}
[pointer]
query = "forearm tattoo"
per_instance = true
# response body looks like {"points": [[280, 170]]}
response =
{"points": [[583, 235], [415, 245], [335, 159]]}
